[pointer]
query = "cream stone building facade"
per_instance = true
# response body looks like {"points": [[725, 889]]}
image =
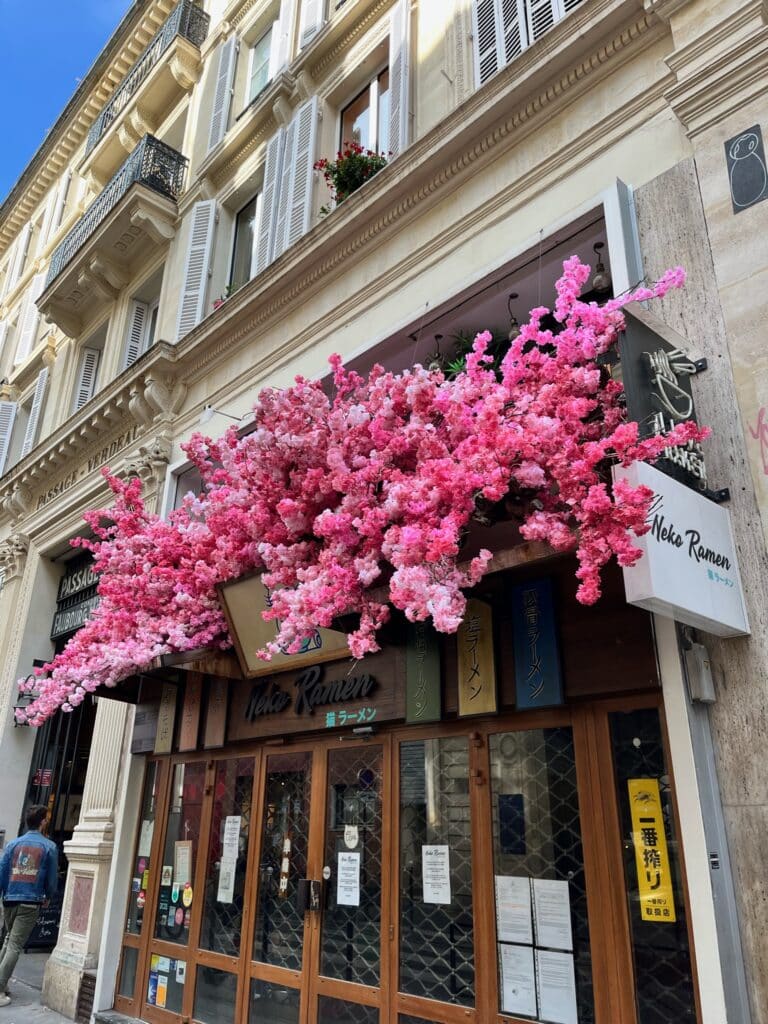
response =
{"points": [[181, 173]]}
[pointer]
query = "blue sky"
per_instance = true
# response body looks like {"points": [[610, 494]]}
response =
{"points": [[45, 48]]}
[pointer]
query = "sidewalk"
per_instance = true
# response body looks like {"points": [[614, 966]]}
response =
{"points": [[26, 983]]}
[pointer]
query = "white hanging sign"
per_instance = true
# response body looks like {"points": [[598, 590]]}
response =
{"points": [[689, 570]]}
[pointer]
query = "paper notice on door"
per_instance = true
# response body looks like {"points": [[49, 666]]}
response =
{"points": [[182, 862], [518, 980], [348, 879], [557, 987], [436, 874], [162, 990], [552, 914], [513, 909], [231, 841], [225, 891], [145, 838]]}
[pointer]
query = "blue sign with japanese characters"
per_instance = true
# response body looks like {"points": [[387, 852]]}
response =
{"points": [[538, 679]]}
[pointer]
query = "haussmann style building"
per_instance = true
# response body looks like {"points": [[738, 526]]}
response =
{"points": [[382, 847]]}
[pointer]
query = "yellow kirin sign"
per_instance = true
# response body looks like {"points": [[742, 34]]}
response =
{"points": [[654, 878]]}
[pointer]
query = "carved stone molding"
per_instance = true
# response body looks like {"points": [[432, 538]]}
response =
{"points": [[150, 461], [13, 556], [185, 70]]}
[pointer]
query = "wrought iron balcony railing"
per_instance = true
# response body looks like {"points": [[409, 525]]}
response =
{"points": [[153, 164], [186, 20]]}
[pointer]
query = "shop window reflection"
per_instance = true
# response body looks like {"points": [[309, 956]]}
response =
{"points": [[436, 932], [141, 867], [174, 904], [537, 839], [663, 975]]}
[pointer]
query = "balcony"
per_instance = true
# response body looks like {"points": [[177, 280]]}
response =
{"points": [[168, 67], [133, 215]]}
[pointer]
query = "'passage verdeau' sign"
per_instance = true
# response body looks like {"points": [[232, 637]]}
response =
{"points": [[689, 570]]}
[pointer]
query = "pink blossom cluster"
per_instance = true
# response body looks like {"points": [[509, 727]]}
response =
{"points": [[359, 501]]}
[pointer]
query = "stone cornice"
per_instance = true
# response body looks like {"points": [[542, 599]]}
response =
{"points": [[68, 134], [721, 70], [513, 103], [135, 405]]}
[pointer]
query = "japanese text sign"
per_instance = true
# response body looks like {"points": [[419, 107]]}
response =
{"points": [[689, 570], [477, 669], [538, 680], [654, 878]]}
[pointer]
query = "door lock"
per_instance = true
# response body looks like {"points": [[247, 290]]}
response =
{"points": [[309, 895]]}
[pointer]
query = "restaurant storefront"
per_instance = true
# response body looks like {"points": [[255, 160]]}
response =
{"points": [[357, 845]]}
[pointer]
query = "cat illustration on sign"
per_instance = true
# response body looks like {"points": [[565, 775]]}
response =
{"points": [[748, 174]]}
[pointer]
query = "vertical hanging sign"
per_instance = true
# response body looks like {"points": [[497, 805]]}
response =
{"points": [[422, 687], [166, 719], [538, 680], [477, 670], [654, 878]]}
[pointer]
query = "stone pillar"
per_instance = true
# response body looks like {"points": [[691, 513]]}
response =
{"points": [[27, 604], [89, 854]]}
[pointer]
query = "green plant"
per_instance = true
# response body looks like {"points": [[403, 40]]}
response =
{"points": [[352, 167]]}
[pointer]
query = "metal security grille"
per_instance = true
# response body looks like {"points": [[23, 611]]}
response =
{"points": [[537, 832], [223, 911], [279, 931], [351, 936], [663, 977], [436, 939]]}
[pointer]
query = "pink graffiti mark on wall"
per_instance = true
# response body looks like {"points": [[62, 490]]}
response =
{"points": [[760, 433]]}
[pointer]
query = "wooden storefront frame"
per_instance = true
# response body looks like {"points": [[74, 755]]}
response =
{"points": [[609, 926]]}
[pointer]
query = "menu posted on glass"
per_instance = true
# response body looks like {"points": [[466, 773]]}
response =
{"points": [[513, 909], [436, 874], [557, 987], [518, 980], [348, 879], [552, 914]]}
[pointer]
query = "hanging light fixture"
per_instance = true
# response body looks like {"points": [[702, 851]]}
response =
{"points": [[435, 361], [601, 282], [514, 325]]}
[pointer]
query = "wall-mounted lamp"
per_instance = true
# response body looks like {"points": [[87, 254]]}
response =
{"points": [[209, 412]]}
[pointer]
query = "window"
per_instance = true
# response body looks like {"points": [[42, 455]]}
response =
{"points": [[501, 31], [259, 70], [88, 368], [141, 328], [246, 235], [20, 423], [366, 119]]}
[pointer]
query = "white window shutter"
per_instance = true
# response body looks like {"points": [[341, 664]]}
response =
{"points": [[3, 334], [61, 200], [222, 97], [542, 15], [273, 168], [137, 329], [197, 266], [312, 18], [7, 418], [6, 285], [514, 28], [299, 206], [282, 35], [16, 268], [399, 73], [486, 41], [29, 319], [86, 378], [30, 437], [45, 226], [284, 186]]}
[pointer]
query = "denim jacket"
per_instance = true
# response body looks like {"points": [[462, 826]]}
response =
{"points": [[29, 869]]}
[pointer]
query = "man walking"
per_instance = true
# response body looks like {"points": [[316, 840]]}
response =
{"points": [[28, 879]]}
